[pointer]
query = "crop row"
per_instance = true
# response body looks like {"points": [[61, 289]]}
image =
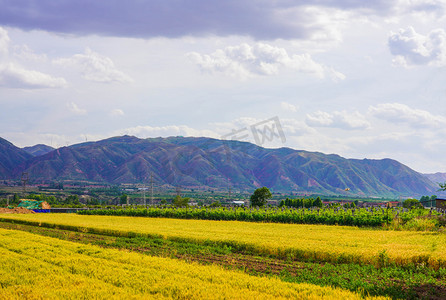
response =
{"points": [[39, 267], [338, 244], [328, 216]]}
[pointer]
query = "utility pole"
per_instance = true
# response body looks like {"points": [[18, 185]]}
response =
{"points": [[151, 188], [24, 178], [229, 190], [144, 195]]}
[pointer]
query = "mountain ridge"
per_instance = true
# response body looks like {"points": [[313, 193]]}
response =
{"points": [[210, 163], [39, 149], [436, 177], [10, 157]]}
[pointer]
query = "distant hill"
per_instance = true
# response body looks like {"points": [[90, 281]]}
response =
{"points": [[436, 177], [205, 162], [38, 150], [10, 157]]}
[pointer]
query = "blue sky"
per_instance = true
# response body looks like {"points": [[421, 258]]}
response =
{"points": [[362, 79]]}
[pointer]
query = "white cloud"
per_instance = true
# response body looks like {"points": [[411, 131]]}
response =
{"points": [[424, 6], [164, 131], [400, 113], [94, 67], [260, 59], [14, 76], [116, 112], [296, 127], [242, 129], [338, 119], [412, 48], [76, 109], [288, 106], [319, 118], [25, 53], [4, 43]]}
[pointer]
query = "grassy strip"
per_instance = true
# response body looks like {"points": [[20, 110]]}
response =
{"points": [[396, 282]]}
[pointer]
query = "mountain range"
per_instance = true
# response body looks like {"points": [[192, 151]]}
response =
{"points": [[38, 150], [210, 163], [437, 177]]}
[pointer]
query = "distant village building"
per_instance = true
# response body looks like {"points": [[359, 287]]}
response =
{"points": [[375, 204], [440, 203]]}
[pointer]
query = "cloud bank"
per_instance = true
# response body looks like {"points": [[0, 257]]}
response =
{"points": [[412, 48], [338, 119], [94, 67], [12, 75], [400, 113], [260, 19], [259, 59]]}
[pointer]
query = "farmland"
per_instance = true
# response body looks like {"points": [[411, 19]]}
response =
{"points": [[40, 267], [399, 264], [307, 242]]}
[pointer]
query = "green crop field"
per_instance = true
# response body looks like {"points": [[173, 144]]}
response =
{"points": [[371, 217]]}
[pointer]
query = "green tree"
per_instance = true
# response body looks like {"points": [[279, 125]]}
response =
{"points": [[424, 198], [180, 202], [442, 186], [412, 203], [123, 199], [16, 199], [72, 200], [318, 202], [215, 204], [260, 197]]}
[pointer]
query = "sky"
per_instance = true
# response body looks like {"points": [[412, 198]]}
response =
{"points": [[361, 79]]}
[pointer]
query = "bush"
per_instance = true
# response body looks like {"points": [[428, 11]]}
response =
{"points": [[421, 224]]}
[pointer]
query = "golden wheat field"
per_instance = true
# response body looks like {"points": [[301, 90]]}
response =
{"points": [[37, 267], [321, 242]]}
